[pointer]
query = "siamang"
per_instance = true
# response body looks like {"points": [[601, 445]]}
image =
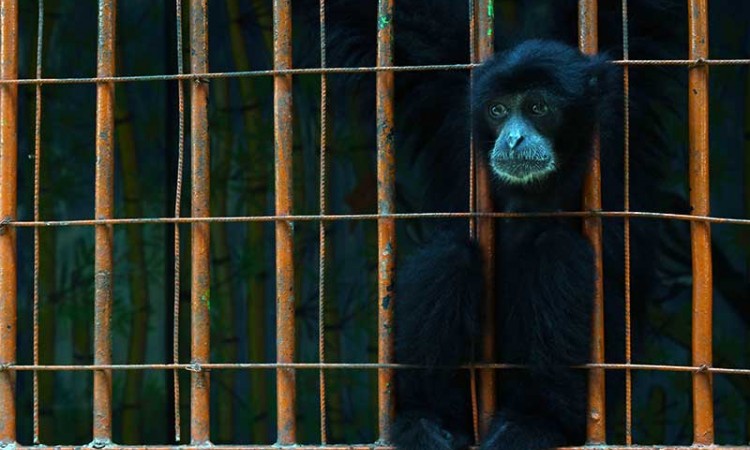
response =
{"points": [[534, 109]]}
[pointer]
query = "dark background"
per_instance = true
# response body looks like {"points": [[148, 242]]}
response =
{"points": [[243, 284]]}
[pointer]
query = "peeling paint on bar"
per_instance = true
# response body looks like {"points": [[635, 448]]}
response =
{"points": [[386, 227], [8, 205], [104, 209], [200, 257], [588, 35], [286, 393]]}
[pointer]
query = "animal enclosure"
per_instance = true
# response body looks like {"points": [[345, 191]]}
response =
{"points": [[192, 82]]}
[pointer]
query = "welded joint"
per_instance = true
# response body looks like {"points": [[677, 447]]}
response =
{"points": [[200, 80], [102, 443], [194, 367], [703, 368], [4, 224], [698, 62], [5, 367]]}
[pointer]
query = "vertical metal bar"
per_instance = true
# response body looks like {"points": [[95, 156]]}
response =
{"points": [[472, 204], [485, 16], [105, 133], [200, 233], [8, 205], [626, 224], [703, 417], [386, 227], [322, 236], [37, 170], [286, 395], [588, 35], [472, 154], [177, 211]]}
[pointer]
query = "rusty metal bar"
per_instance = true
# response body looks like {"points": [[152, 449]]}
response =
{"points": [[386, 227], [286, 393], [357, 366], [322, 225], [398, 216], [626, 224], [588, 36], [472, 205], [200, 233], [8, 206], [703, 417], [37, 172], [472, 172], [342, 447], [484, 15], [342, 70], [103, 260], [177, 212]]}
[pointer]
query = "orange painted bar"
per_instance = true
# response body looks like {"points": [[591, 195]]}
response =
{"points": [[588, 36], [386, 227], [286, 392], [200, 298], [703, 411], [8, 205], [104, 209], [486, 237]]}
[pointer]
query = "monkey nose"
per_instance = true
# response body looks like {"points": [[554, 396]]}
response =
{"points": [[514, 140]]}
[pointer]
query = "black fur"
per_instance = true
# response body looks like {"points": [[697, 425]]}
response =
{"points": [[544, 280], [544, 272]]}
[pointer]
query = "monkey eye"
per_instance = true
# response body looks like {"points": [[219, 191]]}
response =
{"points": [[539, 109], [498, 111]]}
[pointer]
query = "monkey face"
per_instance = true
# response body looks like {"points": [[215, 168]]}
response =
{"points": [[524, 126], [534, 112]]}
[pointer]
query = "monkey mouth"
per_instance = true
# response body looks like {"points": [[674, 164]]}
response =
{"points": [[522, 170]]}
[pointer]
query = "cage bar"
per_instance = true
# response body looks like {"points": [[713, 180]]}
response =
{"points": [[286, 394], [345, 70], [703, 418], [588, 36], [200, 232], [375, 216], [322, 225], [104, 206], [352, 447], [485, 48], [37, 252], [626, 223], [472, 204], [177, 213], [386, 227], [8, 206]]}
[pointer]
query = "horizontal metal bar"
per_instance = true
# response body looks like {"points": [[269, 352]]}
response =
{"points": [[342, 70], [343, 447], [358, 366], [399, 216]]}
